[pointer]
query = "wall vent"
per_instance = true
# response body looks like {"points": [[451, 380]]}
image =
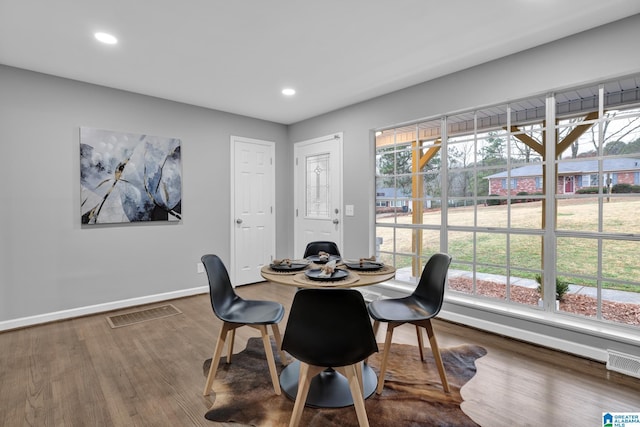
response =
{"points": [[623, 363], [133, 317]]}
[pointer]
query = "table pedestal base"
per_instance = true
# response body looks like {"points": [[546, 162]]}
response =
{"points": [[328, 389]]}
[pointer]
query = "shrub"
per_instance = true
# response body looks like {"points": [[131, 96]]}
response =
{"points": [[588, 190], [493, 202], [562, 287], [522, 193], [621, 188], [388, 209], [617, 188]]}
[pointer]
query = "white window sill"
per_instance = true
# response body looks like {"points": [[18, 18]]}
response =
{"points": [[456, 303]]}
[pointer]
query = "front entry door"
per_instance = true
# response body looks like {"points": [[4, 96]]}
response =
{"points": [[318, 191], [253, 200], [568, 184]]}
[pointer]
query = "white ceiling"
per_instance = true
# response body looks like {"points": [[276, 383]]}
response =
{"points": [[237, 55]]}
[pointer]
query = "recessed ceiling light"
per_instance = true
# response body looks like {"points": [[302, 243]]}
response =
{"points": [[288, 91], [106, 38]]}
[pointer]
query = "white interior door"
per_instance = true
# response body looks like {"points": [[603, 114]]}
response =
{"points": [[253, 208], [318, 191]]}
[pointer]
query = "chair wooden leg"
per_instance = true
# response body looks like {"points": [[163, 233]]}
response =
{"points": [[436, 354], [385, 356], [215, 359], [358, 367], [350, 372], [420, 342], [278, 338], [232, 338], [270, 359], [307, 372]]}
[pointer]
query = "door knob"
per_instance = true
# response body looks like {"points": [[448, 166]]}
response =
{"points": [[239, 221], [335, 221]]}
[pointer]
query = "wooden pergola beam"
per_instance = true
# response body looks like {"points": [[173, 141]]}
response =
{"points": [[418, 162], [429, 154], [417, 187], [576, 133], [528, 141]]}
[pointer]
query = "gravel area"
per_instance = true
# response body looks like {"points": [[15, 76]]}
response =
{"points": [[571, 303]]}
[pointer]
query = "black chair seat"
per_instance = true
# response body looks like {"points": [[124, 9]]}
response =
{"points": [[252, 312], [408, 309]]}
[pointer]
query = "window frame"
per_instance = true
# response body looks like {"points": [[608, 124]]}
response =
{"points": [[549, 233]]}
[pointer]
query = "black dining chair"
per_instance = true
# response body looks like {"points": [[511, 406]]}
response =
{"points": [[236, 312], [418, 309], [313, 248], [329, 328]]}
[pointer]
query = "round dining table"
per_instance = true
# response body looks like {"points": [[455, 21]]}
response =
{"points": [[329, 389], [354, 278]]}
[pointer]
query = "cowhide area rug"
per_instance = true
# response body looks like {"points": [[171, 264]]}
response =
{"points": [[412, 395]]}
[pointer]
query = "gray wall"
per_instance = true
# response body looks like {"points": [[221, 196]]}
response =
{"points": [[603, 53], [600, 54], [48, 262]]}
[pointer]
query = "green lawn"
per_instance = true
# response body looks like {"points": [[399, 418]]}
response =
{"points": [[575, 255]]}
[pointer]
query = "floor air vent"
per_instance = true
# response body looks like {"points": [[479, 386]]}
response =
{"points": [[623, 363], [142, 315]]}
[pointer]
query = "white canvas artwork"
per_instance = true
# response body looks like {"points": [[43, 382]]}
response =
{"points": [[127, 177]]}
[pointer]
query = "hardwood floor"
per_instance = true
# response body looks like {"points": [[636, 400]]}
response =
{"points": [[81, 372]]}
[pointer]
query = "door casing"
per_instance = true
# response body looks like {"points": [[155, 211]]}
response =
{"points": [[253, 210], [332, 145]]}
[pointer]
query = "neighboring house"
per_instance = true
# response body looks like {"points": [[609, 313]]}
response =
{"points": [[572, 176], [392, 199]]}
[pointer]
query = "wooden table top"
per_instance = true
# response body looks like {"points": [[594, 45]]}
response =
{"points": [[354, 279]]}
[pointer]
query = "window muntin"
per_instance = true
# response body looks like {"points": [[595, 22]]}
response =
{"points": [[492, 190]]}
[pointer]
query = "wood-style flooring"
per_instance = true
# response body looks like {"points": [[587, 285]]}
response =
{"points": [[80, 372]]}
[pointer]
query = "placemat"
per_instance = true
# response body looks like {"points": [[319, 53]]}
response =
{"points": [[386, 269], [267, 269], [303, 279]]}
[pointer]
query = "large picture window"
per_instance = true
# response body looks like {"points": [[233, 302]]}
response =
{"points": [[535, 200]]}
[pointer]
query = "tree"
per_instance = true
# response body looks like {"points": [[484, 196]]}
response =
{"points": [[493, 153], [614, 147], [394, 165], [460, 177], [521, 150], [632, 147], [614, 131]]}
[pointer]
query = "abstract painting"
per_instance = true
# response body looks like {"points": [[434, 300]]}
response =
{"points": [[127, 177]]}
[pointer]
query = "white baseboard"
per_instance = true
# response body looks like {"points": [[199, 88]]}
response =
{"points": [[98, 308], [394, 290], [528, 336]]}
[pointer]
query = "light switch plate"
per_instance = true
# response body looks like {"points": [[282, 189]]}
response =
{"points": [[348, 210], [200, 267]]}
